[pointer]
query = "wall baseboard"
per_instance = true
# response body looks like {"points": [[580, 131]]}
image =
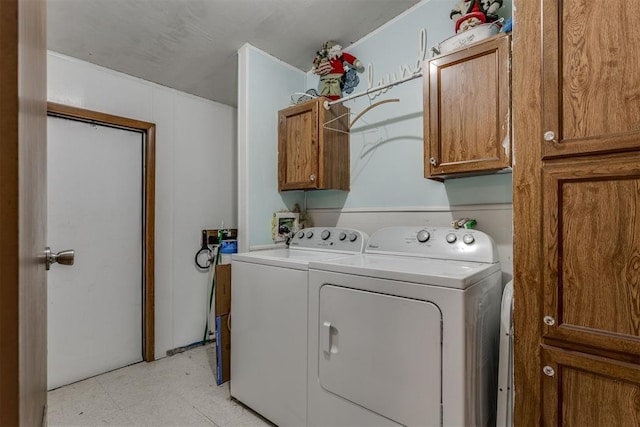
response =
{"points": [[182, 349]]}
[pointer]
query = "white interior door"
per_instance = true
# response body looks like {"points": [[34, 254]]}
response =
{"points": [[95, 198]]}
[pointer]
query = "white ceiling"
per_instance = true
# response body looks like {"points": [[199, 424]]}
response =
{"points": [[191, 45]]}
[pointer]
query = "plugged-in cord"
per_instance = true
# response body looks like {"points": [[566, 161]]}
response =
{"points": [[204, 250], [212, 264]]}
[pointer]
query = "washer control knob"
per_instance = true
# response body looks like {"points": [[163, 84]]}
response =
{"points": [[300, 234], [468, 239], [353, 237], [423, 236], [309, 234], [325, 234], [342, 235], [451, 237]]}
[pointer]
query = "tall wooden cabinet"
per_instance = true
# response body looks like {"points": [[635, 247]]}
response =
{"points": [[576, 101], [313, 147]]}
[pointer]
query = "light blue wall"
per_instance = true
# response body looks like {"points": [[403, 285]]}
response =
{"points": [[387, 143], [270, 84]]}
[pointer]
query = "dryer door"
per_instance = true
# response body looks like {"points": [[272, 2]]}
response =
{"points": [[382, 352]]}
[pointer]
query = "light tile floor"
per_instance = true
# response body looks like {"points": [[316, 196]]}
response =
{"points": [[175, 391]]}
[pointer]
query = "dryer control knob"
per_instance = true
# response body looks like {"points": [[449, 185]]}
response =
{"points": [[342, 235], [325, 234], [451, 238], [353, 237], [309, 234], [423, 236], [300, 234], [468, 239]]}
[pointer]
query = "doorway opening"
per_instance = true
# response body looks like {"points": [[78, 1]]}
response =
{"points": [[148, 205]]}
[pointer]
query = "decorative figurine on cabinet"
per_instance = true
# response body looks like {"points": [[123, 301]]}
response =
{"points": [[329, 64], [469, 13]]}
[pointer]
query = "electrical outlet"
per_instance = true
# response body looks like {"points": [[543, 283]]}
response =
{"points": [[211, 237]]}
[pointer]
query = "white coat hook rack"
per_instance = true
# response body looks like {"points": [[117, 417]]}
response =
{"points": [[362, 113], [325, 124], [328, 104]]}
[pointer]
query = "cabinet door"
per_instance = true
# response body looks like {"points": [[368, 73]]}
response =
{"points": [[298, 147], [591, 238], [467, 125], [579, 390], [575, 80], [591, 90]]}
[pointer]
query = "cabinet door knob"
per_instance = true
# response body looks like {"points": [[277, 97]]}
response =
{"points": [[550, 136], [433, 161], [312, 177]]}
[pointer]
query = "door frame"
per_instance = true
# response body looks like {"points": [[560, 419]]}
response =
{"points": [[148, 227]]}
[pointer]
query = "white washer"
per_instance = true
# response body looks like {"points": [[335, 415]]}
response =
{"points": [[406, 333], [269, 295]]}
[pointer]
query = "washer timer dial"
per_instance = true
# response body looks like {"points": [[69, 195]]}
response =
{"points": [[423, 236]]}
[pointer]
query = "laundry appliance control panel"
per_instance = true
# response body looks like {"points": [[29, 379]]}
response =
{"points": [[434, 242], [329, 238]]}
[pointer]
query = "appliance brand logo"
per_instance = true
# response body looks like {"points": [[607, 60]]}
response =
{"points": [[373, 246]]}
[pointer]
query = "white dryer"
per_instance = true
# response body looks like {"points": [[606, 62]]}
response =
{"points": [[406, 333], [269, 295]]}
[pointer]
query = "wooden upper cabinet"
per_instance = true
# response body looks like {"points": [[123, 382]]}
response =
{"points": [[313, 147], [591, 235], [467, 110], [591, 89]]}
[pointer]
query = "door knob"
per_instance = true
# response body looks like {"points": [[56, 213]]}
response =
{"points": [[550, 136], [65, 257]]}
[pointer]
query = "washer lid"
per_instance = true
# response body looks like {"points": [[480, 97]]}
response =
{"points": [[426, 271], [286, 258]]}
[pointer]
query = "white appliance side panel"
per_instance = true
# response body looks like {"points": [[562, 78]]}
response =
{"points": [[382, 352], [269, 341]]}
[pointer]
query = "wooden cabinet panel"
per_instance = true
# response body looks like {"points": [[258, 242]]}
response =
{"points": [[313, 147], [467, 117], [577, 185], [580, 389], [298, 147], [592, 247], [459, 123], [591, 91]]}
